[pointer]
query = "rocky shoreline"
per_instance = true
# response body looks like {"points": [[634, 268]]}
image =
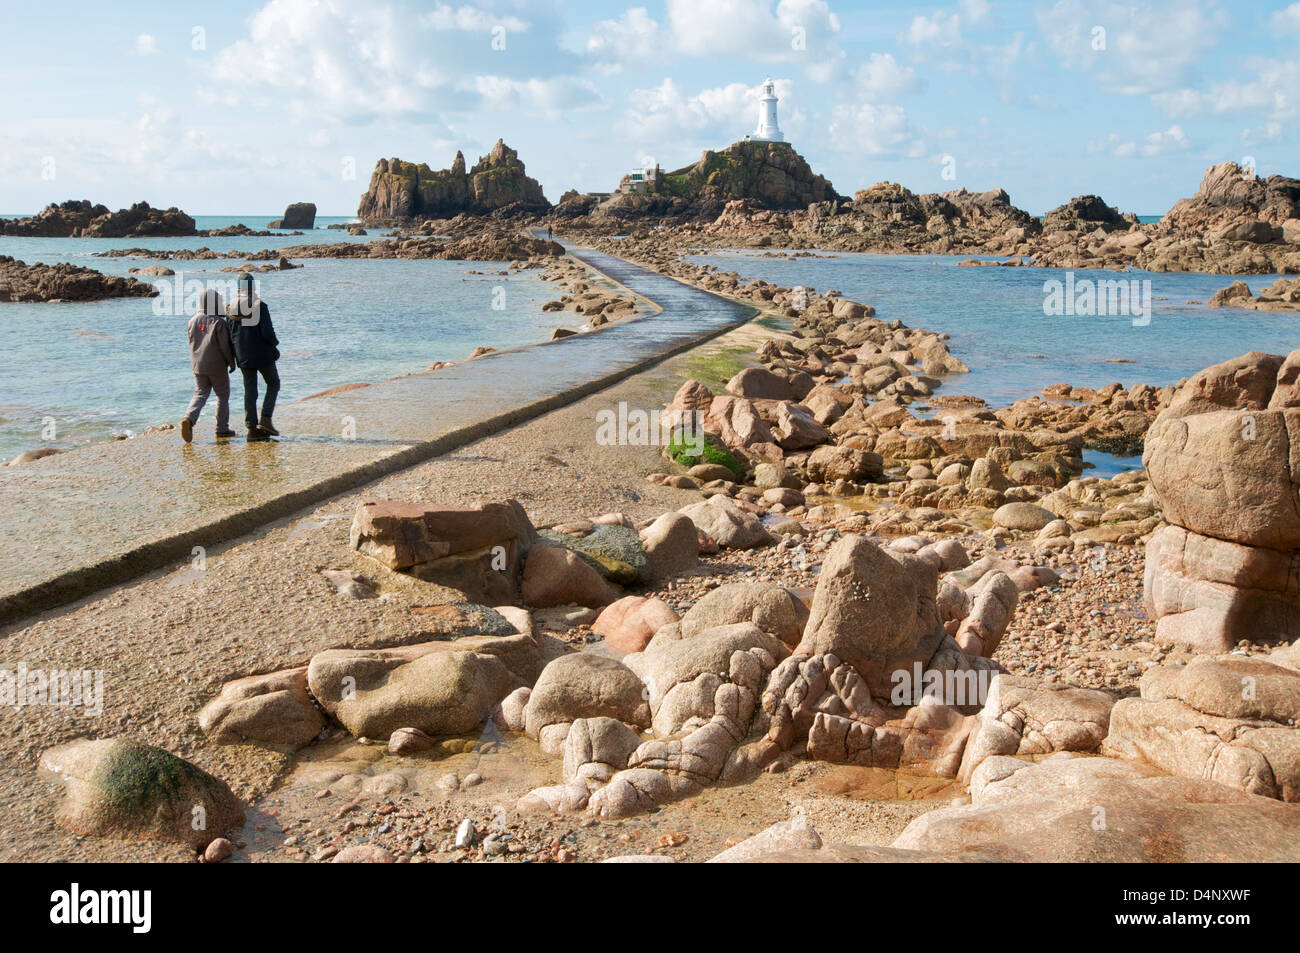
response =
{"points": [[21, 282], [1236, 223], [543, 680]]}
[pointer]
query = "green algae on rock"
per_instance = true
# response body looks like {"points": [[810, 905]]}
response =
{"points": [[615, 552], [122, 788]]}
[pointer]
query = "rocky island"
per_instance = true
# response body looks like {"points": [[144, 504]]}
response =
{"points": [[497, 184], [81, 219]]}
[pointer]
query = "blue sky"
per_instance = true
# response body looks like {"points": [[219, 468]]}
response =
{"points": [[248, 106]]}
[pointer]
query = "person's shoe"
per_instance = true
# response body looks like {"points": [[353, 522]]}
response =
{"points": [[227, 433], [257, 434], [187, 429], [265, 426]]}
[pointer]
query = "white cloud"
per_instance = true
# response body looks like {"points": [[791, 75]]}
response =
{"points": [[874, 130], [1274, 92], [549, 96], [1288, 20], [795, 31], [1151, 145], [665, 114], [882, 78], [1133, 49], [941, 40], [1268, 132], [1171, 138], [146, 44], [939, 29], [633, 37], [354, 62], [471, 20]]}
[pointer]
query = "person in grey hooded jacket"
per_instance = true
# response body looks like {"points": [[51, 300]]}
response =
{"points": [[212, 358]]}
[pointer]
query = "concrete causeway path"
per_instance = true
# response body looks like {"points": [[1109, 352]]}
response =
{"points": [[107, 512]]}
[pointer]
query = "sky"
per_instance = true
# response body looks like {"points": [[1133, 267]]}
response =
{"points": [[245, 106]]}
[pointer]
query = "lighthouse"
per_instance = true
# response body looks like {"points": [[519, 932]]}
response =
{"points": [[768, 130]]}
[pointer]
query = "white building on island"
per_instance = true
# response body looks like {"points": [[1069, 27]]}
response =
{"points": [[768, 129]]}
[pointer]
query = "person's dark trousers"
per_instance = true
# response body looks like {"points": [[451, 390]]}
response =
{"points": [[272, 378]]}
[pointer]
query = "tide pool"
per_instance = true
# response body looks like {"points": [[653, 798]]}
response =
{"points": [[996, 319]]}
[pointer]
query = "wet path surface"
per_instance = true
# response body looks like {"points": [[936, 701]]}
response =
{"points": [[105, 513]]}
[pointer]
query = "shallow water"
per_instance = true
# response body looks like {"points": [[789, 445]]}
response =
{"points": [[996, 320], [97, 369]]}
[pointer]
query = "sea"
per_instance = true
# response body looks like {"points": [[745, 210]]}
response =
{"points": [[78, 372], [999, 322], [91, 371]]}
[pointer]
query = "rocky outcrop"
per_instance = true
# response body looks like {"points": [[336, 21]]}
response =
{"points": [[1281, 295], [493, 244], [20, 281], [1231, 198], [297, 215], [766, 175], [1222, 460], [885, 218], [1025, 717], [1236, 223], [1084, 213], [1078, 809], [1229, 719], [497, 183], [81, 219]]}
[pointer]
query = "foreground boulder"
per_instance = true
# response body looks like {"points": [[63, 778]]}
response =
{"points": [[1079, 809], [614, 551], [629, 624], [875, 610], [441, 688], [582, 685], [1024, 716], [731, 527], [477, 549], [1230, 719], [772, 608], [273, 709], [121, 788], [672, 545], [1220, 458], [558, 576]]}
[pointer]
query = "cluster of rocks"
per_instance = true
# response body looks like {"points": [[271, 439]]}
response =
{"points": [[498, 244], [490, 244], [497, 184], [1237, 223], [1281, 295], [81, 219], [20, 281], [890, 662], [1221, 458], [598, 305]]}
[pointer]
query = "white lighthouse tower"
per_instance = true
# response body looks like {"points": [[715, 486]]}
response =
{"points": [[768, 130]]}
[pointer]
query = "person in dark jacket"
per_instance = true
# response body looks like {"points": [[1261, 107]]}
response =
{"points": [[255, 353], [211, 360]]}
